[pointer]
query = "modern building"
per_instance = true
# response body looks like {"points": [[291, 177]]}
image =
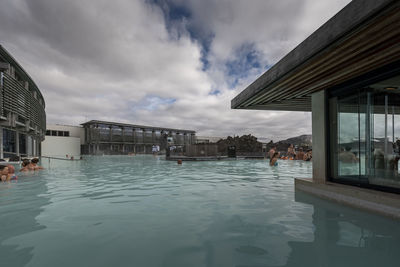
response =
{"points": [[347, 73], [62, 140], [207, 139], [22, 110], [102, 137]]}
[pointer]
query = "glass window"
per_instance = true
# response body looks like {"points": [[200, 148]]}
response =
{"points": [[365, 135], [29, 145], [60, 133], [9, 141], [22, 144], [66, 133], [48, 132], [53, 133]]}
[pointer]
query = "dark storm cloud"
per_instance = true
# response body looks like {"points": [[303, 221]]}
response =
{"points": [[162, 62]]}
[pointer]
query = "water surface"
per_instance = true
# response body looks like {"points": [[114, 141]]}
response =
{"points": [[145, 211]]}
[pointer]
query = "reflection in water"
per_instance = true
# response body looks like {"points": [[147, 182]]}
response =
{"points": [[346, 237], [145, 211], [20, 204]]}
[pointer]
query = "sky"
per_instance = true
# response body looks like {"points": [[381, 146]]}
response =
{"points": [[165, 63]]}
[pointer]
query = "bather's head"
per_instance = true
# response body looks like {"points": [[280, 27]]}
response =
{"points": [[3, 170], [35, 160], [25, 162], [11, 169]]}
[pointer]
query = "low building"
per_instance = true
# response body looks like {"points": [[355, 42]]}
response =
{"points": [[207, 139], [63, 140], [102, 137], [22, 110], [347, 73]]}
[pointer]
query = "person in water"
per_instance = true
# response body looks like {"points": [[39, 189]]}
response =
{"points": [[290, 152], [274, 160], [308, 155], [11, 173], [271, 152], [34, 166], [3, 173], [25, 166], [300, 154]]}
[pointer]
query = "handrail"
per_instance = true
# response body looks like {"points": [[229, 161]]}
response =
{"points": [[47, 157]]}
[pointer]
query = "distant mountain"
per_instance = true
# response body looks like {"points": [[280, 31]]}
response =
{"points": [[302, 140]]}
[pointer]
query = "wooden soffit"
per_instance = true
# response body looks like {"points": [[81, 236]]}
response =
{"points": [[373, 43]]}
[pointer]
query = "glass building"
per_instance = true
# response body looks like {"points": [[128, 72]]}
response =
{"points": [[22, 110], [347, 73], [103, 137]]}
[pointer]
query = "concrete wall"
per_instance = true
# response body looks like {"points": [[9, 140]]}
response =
{"points": [[74, 131], [59, 146], [319, 133]]}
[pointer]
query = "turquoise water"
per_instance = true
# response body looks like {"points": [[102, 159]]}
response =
{"points": [[145, 211]]}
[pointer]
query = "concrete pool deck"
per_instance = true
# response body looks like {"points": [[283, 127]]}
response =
{"points": [[383, 203]]}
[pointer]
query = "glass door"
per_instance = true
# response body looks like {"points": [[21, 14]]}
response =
{"points": [[365, 135]]}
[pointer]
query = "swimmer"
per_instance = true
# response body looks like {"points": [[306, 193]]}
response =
{"points": [[179, 162], [25, 165], [271, 152], [3, 173], [11, 173], [34, 165], [300, 154], [274, 160]]}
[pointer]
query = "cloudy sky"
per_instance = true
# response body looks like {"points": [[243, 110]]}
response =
{"points": [[172, 63]]}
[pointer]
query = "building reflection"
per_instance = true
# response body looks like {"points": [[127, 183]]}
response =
{"points": [[346, 237]]}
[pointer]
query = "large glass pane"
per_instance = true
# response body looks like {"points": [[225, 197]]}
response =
{"points": [[385, 149], [365, 135], [22, 144], [9, 141], [349, 137]]}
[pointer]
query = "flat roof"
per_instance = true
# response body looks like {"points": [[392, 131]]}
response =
{"points": [[137, 126], [20, 70], [362, 37]]}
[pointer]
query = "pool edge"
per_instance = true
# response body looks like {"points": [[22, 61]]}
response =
{"points": [[382, 203]]}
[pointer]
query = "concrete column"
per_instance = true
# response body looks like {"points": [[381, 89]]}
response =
{"points": [[17, 142], [144, 136], [319, 136], [1, 143]]}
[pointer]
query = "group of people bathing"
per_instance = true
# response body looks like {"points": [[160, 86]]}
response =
{"points": [[291, 154], [7, 172]]}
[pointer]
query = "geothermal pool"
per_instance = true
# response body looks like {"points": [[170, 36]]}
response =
{"points": [[145, 211]]}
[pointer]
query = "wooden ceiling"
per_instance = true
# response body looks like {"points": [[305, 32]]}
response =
{"points": [[374, 43]]}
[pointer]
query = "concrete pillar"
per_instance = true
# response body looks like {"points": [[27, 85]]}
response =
{"points": [[319, 136], [1, 143], [144, 136], [17, 143], [134, 135]]}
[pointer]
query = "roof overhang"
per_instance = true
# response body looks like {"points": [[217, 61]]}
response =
{"points": [[362, 37], [119, 124]]}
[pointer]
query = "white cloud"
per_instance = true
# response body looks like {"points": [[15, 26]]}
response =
{"points": [[120, 61]]}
